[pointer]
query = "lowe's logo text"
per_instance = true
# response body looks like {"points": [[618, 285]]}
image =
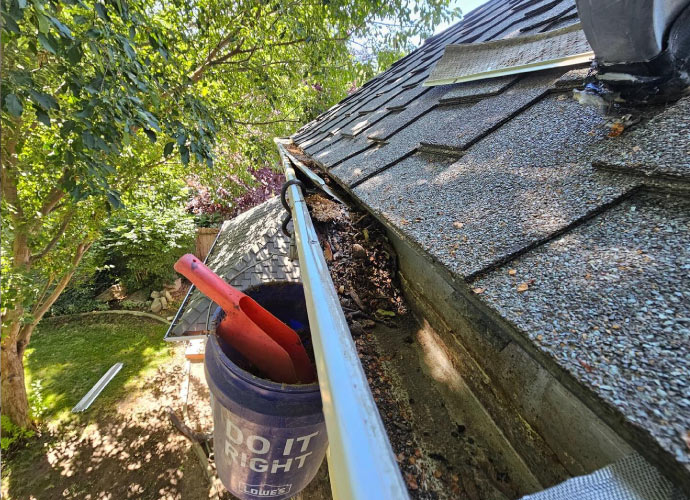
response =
{"points": [[265, 490]]}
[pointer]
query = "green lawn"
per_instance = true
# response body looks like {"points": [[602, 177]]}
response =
{"points": [[66, 357]]}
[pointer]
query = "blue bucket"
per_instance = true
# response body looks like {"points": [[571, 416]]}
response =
{"points": [[269, 438]]}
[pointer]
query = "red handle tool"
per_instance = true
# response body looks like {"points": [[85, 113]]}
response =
{"points": [[258, 335]]}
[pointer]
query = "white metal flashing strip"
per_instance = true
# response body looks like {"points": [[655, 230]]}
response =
{"points": [[97, 389], [509, 56], [360, 459], [574, 60], [318, 181]]}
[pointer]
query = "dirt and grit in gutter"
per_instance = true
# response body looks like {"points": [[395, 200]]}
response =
{"points": [[439, 458]]}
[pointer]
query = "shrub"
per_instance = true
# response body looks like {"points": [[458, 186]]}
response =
{"points": [[211, 206], [135, 305], [140, 245], [12, 434], [208, 220], [77, 299]]}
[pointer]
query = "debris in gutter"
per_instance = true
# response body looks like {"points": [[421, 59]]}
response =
{"points": [[597, 95], [369, 293], [91, 396], [619, 124], [298, 160], [323, 209], [363, 265]]}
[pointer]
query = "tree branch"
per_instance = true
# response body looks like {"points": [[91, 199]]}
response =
{"points": [[211, 58], [269, 122], [61, 230], [52, 199], [8, 159], [41, 308]]}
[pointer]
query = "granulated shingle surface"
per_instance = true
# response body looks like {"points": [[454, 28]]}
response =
{"points": [[471, 91], [508, 173], [250, 250], [340, 150], [510, 190], [450, 126], [639, 149], [610, 302]]}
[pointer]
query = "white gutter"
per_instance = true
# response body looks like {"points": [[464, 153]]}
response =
{"points": [[361, 463]]}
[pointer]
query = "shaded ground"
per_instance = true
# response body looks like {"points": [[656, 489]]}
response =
{"points": [[124, 446]]}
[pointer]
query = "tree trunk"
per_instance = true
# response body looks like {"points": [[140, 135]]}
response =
{"points": [[15, 403]]}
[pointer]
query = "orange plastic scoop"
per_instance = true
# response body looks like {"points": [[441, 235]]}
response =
{"points": [[258, 335]]}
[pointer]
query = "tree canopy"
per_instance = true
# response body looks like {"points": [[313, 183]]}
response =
{"points": [[103, 97]]}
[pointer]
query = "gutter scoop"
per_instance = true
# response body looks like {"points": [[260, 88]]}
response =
{"points": [[272, 346]]}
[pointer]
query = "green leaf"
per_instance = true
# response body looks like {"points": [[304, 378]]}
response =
{"points": [[14, 107], [64, 30], [149, 119], [67, 127], [114, 199], [44, 100], [94, 86], [128, 49], [150, 134], [184, 155], [10, 24], [43, 23], [74, 54], [43, 117], [47, 42], [102, 12], [168, 148], [89, 139], [79, 19], [102, 145]]}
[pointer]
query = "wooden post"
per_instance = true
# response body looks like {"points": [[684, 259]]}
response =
{"points": [[204, 239]]}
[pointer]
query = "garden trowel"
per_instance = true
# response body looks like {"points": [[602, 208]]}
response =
{"points": [[272, 346]]}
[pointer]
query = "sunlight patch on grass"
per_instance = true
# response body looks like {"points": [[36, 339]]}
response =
{"points": [[66, 358]]}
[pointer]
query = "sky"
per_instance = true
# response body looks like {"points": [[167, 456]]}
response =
{"points": [[465, 5]]}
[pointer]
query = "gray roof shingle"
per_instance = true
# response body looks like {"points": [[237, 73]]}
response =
{"points": [[250, 250], [513, 172], [639, 151], [617, 293]]}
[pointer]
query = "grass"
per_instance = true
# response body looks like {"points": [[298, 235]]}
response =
{"points": [[66, 357]]}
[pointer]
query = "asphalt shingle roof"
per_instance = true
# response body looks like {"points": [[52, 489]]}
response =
{"points": [[250, 250], [514, 173], [622, 285]]}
